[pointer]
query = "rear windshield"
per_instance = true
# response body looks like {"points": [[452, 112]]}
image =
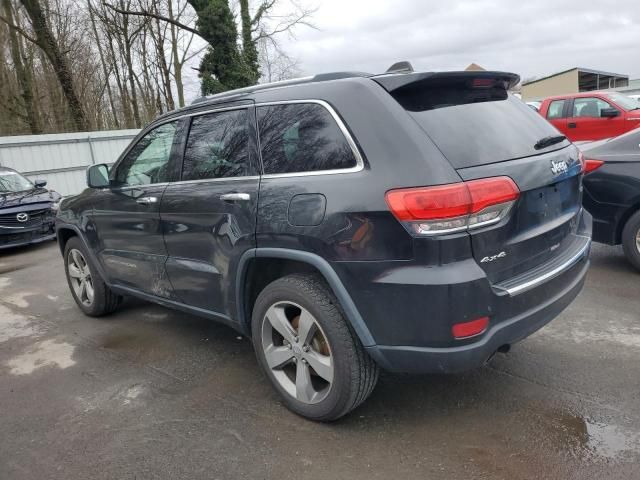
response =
{"points": [[476, 126]]}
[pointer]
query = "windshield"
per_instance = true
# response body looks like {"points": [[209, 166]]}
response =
{"points": [[623, 101], [13, 182]]}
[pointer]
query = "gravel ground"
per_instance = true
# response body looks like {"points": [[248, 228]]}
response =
{"points": [[152, 393]]}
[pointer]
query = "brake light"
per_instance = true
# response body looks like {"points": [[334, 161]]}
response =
{"points": [[470, 329], [591, 164], [453, 207]]}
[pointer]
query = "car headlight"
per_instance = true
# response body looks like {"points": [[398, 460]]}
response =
{"points": [[55, 205]]}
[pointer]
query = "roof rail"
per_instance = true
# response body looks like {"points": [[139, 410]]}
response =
{"points": [[322, 77]]}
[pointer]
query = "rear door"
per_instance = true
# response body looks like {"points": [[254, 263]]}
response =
{"points": [[587, 122], [498, 135], [209, 217]]}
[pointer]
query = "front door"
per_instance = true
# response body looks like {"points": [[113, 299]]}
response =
{"points": [[209, 217], [127, 215], [587, 122]]}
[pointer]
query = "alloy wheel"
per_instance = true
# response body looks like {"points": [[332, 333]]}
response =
{"points": [[80, 277], [297, 352], [638, 240]]}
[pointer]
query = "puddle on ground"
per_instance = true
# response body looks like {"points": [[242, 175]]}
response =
{"points": [[611, 440], [127, 341], [583, 437], [43, 354]]}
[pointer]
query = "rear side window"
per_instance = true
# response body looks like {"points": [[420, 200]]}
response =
{"points": [[217, 146], [301, 137], [555, 109], [474, 125]]}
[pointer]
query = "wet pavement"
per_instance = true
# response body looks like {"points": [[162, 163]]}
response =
{"points": [[151, 393]]}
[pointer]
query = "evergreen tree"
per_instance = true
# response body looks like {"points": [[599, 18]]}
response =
{"points": [[223, 66]]}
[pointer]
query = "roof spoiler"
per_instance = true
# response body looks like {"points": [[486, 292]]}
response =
{"points": [[393, 82]]}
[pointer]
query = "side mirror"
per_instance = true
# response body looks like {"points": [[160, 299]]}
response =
{"points": [[609, 112], [98, 176], [39, 183]]}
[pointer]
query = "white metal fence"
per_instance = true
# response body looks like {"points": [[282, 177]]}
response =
{"points": [[62, 158]]}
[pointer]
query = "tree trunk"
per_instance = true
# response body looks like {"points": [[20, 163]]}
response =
{"points": [[249, 49], [23, 75], [105, 71], [177, 65], [129, 62], [49, 45]]}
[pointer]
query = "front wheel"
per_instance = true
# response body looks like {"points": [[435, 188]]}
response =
{"points": [[308, 351], [90, 292], [631, 240]]}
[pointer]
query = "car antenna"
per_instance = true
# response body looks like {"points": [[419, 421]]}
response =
{"points": [[400, 67]]}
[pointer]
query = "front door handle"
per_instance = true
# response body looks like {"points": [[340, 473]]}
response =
{"points": [[235, 197], [147, 200], [572, 125]]}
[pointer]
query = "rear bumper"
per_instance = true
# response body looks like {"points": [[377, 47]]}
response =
{"points": [[410, 359], [410, 309]]}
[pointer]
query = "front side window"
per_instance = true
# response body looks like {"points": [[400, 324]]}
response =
{"points": [[589, 107], [148, 161], [11, 181], [555, 109], [217, 146], [302, 137]]}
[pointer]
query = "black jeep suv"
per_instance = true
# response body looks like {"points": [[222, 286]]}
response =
{"points": [[415, 222]]}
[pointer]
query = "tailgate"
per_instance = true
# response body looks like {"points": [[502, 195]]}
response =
{"points": [[543, 223]]}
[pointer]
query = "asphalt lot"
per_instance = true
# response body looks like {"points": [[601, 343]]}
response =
{"points": [[151, 393]]}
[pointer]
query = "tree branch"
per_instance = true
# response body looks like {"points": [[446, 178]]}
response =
{"points": [[19, 30], [145, 13]]}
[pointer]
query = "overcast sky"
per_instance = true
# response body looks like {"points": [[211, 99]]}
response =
{"points": [[530, 37]]}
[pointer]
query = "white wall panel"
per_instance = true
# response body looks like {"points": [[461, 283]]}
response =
{"points": [[62, 159]]}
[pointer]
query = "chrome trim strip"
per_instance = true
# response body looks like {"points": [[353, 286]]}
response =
{"points": [[126, 188], [549, 275], [211, 180], [352, 144]]}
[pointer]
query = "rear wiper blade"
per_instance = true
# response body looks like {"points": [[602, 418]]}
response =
{"points": [[548, 141]]}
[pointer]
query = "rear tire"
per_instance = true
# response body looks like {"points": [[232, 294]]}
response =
{"points": [[89, 290], [631, 240], [308, 350]]}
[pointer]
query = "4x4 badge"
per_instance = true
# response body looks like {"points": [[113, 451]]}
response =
{"points": [[559, 167]]}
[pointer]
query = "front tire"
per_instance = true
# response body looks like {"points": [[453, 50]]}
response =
{"points": [[89, 290], [308, 350], [631, 240]]}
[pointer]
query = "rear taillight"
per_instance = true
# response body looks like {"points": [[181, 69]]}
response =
{"points": [[591, 164], [454, 207]]}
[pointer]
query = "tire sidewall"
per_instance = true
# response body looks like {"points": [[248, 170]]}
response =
{"points": [[76, 244], [629, 234], [339, 394]]}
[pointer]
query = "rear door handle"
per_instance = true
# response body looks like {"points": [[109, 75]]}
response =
{"points": [[147, 200], [572, 125], [235, 197]]}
